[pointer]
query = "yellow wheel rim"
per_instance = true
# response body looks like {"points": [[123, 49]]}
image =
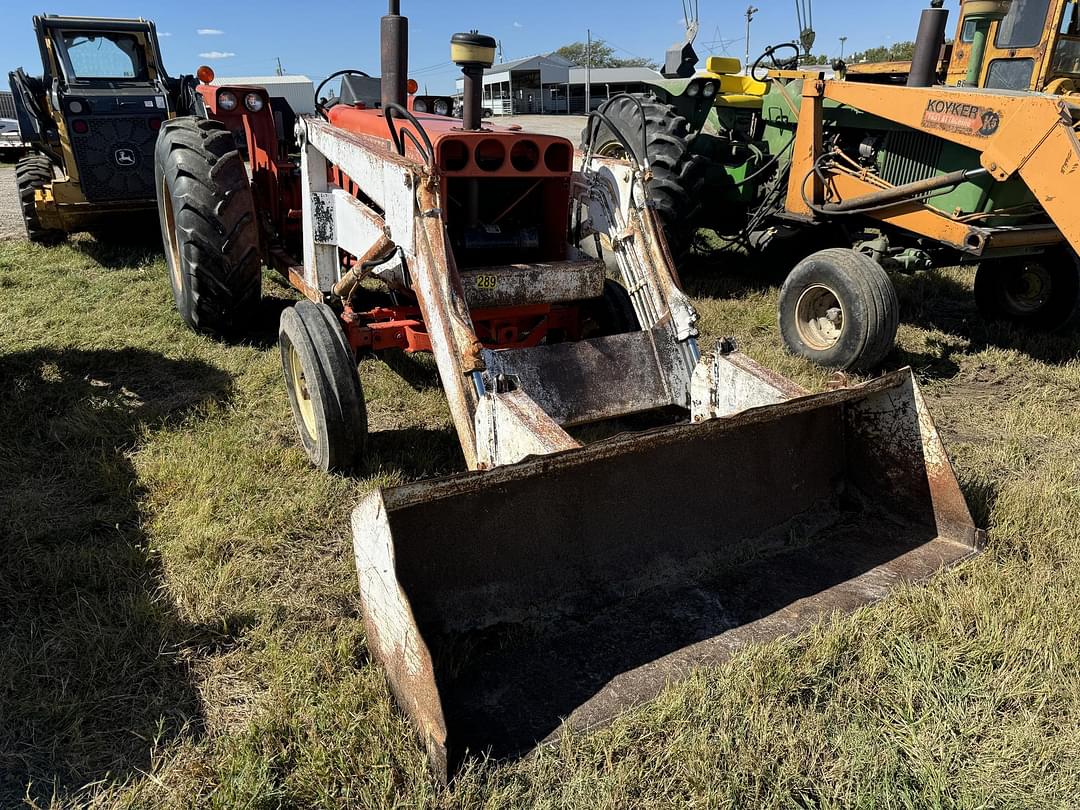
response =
{"points": [[612, 149], [301, 392], [170, 234]]}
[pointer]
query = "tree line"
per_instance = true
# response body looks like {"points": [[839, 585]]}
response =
{"points": [[602, 55]]}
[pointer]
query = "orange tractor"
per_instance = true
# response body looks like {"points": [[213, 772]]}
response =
{"points": [[556, 581]]}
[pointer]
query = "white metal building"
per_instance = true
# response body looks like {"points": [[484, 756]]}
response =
{"points": [[526, 86], [299, 91], [552, 84]]}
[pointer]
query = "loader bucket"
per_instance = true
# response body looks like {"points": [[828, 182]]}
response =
{"points": [[571, 587]]}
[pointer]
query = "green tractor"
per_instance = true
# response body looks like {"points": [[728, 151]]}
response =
{"points": [[722, 150]]}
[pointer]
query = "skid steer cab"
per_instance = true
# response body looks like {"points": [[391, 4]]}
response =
{"points": [[556, 580], [91, 119]]}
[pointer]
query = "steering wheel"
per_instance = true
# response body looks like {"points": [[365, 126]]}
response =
{"points": [[776, 64], [349, 72]]}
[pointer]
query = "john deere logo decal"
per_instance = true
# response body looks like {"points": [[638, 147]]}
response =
{"points": [[124, 157], [966, 119]]}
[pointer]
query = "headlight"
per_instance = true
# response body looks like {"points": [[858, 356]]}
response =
{"points": [[693, 90], [442, 107], [710, 90], [419, 105], [254, 102], [227, 101]]}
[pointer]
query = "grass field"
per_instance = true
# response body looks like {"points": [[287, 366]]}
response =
{"points": [[179, 621]]}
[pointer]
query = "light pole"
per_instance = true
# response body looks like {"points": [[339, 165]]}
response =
{"points": [[750, 12], [843, 40]]}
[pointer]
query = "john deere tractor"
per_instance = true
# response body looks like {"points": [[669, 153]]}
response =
{"points": [[890, 178], [91, 119]]}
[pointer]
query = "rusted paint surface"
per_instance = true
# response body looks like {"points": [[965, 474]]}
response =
{"points": [[726, 383], [511, 427], [590, 380], [391, 630], [524, 284], [441, 297], [578, 584]]}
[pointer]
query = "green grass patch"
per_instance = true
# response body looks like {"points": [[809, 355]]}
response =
{"points": [[180, 623]]}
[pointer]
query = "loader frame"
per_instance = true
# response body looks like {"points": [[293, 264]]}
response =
{"points": [[1032, 137]]}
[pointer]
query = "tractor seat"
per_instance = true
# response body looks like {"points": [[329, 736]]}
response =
{"points": [[735, 90]]}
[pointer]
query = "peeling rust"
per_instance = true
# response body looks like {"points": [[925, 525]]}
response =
{"points": [[634, 560]]}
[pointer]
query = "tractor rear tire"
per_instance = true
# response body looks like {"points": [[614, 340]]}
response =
{"points": [[208, 225], [325, 393], [33, 173], [1034, 292], [838, 309], [678, 176], [614, 313]]}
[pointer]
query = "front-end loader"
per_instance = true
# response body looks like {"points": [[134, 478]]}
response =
{"points": [[559, 580], [894, 177], [90, 121]]}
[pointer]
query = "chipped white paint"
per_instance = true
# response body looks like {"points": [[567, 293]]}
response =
{"points": [[510, 427], [385, 606], [357, 227], [721, 387]]}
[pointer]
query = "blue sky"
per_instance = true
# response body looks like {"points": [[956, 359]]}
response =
{"points": [[317, 37]]}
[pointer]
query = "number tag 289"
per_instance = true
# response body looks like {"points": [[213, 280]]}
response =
{"points": [[487, 281]]}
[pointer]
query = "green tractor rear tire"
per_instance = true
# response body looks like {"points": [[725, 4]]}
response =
{"points": [[208, 225], [1033, 292], [678, 176], [33, 173]]}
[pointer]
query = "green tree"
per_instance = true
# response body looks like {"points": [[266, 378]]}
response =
{"points": [[602, 56], [897, 52]]}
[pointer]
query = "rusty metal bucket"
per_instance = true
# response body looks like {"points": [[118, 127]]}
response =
{"points": [[570, 587]]}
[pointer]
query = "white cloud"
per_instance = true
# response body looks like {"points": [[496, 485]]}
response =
{"points": [[518, 25], [209, 32], [164, 34], [217, 55]]}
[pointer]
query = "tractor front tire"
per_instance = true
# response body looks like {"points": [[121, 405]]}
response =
{"points": [[1032, 292], [32, 174], [677, 175], [324, 388], [208, 225], [838, 309]]}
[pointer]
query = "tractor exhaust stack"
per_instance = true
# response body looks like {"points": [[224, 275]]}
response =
{"points": [[473, 53], [395, 56], [928, 44]]}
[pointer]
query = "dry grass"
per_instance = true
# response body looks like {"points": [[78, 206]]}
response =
{"points": [[179, 619]]}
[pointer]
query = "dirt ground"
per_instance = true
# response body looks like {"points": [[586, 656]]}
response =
{"points": [[568, 126], [11, 224]]}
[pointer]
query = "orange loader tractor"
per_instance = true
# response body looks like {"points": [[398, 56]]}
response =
{"points": [[558, 581]]}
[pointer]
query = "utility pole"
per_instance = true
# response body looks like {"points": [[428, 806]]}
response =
{"points": [[750, 12], [588, 72], [502, 59], [843, 40], [280, 71]]}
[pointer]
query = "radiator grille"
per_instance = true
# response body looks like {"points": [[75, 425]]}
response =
{"points": [[116, 158], [910, 157]]}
